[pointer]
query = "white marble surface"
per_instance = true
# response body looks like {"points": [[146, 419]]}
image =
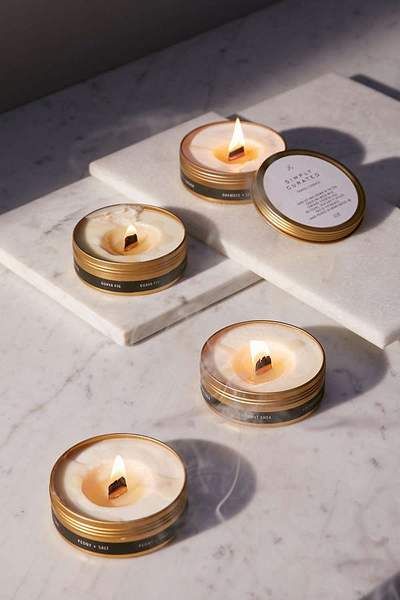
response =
{"points": [[355, 281], [307, 511], [322, 521], [35, 243], [50, 142]]}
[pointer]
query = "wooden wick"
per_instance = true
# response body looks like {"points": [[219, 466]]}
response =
{"points": [[236, 153], [130, 240], [117, 488], [263, 364]]}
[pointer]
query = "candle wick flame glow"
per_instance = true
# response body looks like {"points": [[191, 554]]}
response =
{"points": [[260, 356], [118, 485], [236, 147], [118, 469], [131, 237]]}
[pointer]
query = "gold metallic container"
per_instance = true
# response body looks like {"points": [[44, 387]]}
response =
{"points": [[268, 409], [129, 278], [212, 184], [284, 221], [115, 538]]}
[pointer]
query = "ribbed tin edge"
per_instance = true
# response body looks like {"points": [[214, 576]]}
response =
{"points": [[236, 403], [137, 277], [212, 184], [72, 524], [284, 415], [305, 232]]}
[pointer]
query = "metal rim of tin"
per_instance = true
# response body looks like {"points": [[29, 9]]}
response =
{"points": [[217, 179], [116, 532], [242, 417], [306, 232], [243, 401], [113, 270]]}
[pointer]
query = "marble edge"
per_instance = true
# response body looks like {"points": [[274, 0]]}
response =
{"points": [[132, 334], [47, 287], [328, 79], [201, 302], [194, 122], [349, 321]]}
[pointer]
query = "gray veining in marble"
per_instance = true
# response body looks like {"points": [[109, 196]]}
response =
{"points": [[35, 243], [314, 510], [50, 142], [302, 511], [354, 281]]}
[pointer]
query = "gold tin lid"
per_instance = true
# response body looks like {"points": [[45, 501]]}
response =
{"points": [[309, 195], [238, 401], [211, 183], [113, 532]]}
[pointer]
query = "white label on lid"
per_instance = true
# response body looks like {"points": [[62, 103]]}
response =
{"points": [[310, 190]]}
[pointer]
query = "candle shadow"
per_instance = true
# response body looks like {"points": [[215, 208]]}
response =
{"points": [[388, 590], [379, 179], [353, 365], [200, 258], [376, 85], [221, 482], [201, 227]]}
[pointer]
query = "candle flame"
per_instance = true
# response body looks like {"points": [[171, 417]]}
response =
{"points": [[118, 469], [260, 356], [130, 237], [237, 141], [130, 230]]}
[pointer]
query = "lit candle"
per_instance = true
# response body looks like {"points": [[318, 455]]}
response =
{"points": [[130, 249], [236, 148], [118, 485], [263, 372], [118, 494], [219, 160]]}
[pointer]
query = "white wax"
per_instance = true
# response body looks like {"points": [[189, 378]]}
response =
{"points": [[151, 467], [158, 233], [300, 355], [203, 145]]}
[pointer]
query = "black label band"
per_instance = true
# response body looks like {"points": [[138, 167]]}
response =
{"points": [[130, 286], [216, 194], [264, 418], [115, 548]]}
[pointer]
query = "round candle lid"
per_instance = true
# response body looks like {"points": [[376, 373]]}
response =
{"points": [[309, 195]]}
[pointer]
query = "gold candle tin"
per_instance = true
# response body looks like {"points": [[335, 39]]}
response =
{"points": [[129, 278], [115, 538], [309, 195], [216, 184], [251, 407]]}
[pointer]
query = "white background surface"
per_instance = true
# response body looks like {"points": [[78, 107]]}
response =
{"points": [[306, 510]]}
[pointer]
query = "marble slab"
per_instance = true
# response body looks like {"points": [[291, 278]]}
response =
{"points": [[35, 243], [302, 512], [354, 281]]}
